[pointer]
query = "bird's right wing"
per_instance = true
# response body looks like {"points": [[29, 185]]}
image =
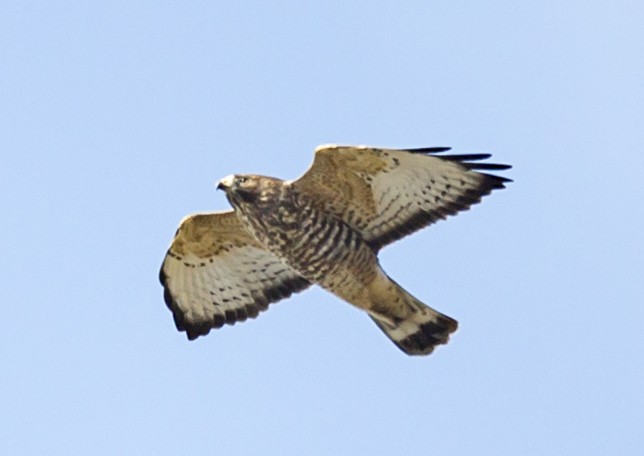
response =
{"points": [[216, 273], [386, 194]]}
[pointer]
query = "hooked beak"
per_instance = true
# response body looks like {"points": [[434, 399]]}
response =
{"points": [[226, 182]]}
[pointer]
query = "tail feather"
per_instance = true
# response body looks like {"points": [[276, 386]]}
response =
{"points": [[419, 333]]}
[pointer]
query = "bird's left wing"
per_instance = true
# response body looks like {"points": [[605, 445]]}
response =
{"points": [[386, 194], [216, 273]]}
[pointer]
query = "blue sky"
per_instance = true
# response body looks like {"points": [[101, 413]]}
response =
{"points": [[116, 120]]}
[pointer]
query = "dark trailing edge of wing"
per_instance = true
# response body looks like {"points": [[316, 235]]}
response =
{"points": [[268, 296], [470, 197]]}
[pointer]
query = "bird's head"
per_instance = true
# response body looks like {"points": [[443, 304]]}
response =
{"points": [[250, 188]]}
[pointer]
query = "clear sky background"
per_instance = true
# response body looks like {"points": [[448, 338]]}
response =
{"points": [[116, 120]]}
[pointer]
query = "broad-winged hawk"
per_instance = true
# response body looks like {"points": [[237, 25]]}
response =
{"points": [[325, 228]]}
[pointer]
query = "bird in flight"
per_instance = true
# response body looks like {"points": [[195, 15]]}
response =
{"points": [[325, 228]]}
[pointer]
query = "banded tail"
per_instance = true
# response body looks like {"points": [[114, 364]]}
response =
{"points": [[420, 330]]}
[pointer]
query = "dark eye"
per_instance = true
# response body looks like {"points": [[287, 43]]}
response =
{"points": [[241, 179]]}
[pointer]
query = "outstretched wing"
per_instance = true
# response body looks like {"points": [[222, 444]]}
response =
{"points": [[386, 193], [216, 273]]}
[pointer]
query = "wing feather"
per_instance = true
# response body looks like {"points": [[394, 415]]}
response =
{"points": [[387, 194], [215, 273]]}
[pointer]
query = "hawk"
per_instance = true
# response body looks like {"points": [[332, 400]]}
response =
{"points": [[325, 228]]}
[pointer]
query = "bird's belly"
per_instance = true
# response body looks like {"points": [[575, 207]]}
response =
{"points": [[331, 254]]}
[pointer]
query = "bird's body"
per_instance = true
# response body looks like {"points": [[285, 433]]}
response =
{"points": [[325, 228], [316, 244]]}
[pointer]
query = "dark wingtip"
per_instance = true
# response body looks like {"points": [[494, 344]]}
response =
{"points": [[465, 160], [162, 276], [486, 166], [500, 179], [466, 157], [428, 150]]}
